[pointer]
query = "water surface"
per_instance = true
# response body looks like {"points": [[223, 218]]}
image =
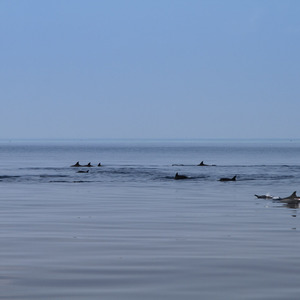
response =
{"points": [[128, 230]]}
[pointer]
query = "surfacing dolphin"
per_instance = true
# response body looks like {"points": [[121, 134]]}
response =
{"points": [[77, 165], [264, 197], [291, 199], [88, 165], [228, 179], [177, 176], [202, 164]]}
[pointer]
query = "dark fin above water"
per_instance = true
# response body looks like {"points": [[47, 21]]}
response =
{"points": [[77, 165], [88, 165], [291, 199], [202, 164], [177, 176], [228, 179], [294, 195]]}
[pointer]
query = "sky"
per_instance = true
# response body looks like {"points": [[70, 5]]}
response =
{"points": [[159, 69]]}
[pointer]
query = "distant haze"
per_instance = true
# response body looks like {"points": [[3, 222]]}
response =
{"points": [[149, 69]]}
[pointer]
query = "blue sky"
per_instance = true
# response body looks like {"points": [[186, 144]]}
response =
{"points": [[149, 69]]}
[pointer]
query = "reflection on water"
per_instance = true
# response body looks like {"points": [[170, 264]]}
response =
{"points": [[292, 205], [144, 242]]}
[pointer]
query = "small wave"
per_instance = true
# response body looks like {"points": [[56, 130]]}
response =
{"points": [[265, 177], [8, 177], [81, 181], [68, 181], [188, 177], [59, 181], [42, 168], [50, 176]]}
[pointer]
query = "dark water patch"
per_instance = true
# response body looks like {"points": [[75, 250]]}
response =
{"points": [[255, 177], [43, 168], [185, 165], [281, 177], [70, 181], [152, 174], [81, 181], [8, 176], [50, 176], [129, 172], [59, 181], [271, 166]]}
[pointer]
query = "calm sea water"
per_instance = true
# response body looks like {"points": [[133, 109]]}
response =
{"points": [[128, 230]]}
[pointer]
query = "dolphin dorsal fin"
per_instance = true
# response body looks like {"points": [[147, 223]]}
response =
{"points": [[234, 178], [293, 195]]}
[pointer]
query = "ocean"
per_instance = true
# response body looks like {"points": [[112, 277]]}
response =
{"points": [[128, 230]]}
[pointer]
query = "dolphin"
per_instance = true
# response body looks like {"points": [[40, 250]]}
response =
{"points": [[88, 165], [228, 179], [177, 176], [99, 165], [267, 197], [77, 165], [264, 196], [81, 171], [291, 199], [202, 164]]}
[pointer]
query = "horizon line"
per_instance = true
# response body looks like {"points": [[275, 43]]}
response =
{"points": [[149, 139]]}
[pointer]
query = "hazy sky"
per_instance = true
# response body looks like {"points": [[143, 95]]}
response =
{"points": [[149, 69]]}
